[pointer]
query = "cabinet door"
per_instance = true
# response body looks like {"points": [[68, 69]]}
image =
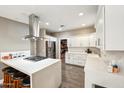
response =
{"points": [[100, 28], [74, 42], [92, 42], [85, 42], [50, 38], [82, 42], [114, 27]]}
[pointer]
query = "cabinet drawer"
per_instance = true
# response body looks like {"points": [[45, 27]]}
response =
{"points": [[76, 58]]}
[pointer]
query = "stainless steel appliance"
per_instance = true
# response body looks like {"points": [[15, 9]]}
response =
{"points": [[36, 36], [51, 49], [36, 58], [34, 29]]}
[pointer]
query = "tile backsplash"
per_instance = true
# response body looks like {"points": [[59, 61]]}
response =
{"points": [[83, 49], [113, 55], [15, 54], [117, 56]]}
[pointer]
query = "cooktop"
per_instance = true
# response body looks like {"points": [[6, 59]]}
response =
{"points": [[35, 58]]}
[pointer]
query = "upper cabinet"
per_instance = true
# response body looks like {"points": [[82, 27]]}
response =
{"points": [[114, 28], [100, 28], [110, 28], [92, 40], [86, 41], [50, 38], [74, 42]]}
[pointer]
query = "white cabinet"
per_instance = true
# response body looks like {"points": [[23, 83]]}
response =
{"points": [[74, 42], [110, 28], [76, 58], [92, 42], [100, 28], [84, 41], [114, 28], [50, 38]]}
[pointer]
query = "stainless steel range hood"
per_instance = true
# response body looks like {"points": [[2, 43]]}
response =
{"points": [[34, 27], [36, 36]]}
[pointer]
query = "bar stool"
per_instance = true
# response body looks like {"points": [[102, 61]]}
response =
{"points": [[23, 80], [26, 83], [17, 80], [8, 76]]}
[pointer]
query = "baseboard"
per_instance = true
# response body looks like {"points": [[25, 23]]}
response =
{"points": [[75, 65]]}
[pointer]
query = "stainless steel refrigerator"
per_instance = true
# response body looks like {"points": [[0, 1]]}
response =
{"points": [[51, 49]]}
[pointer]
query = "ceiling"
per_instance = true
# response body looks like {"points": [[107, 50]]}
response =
{"points": [[52, 16]]}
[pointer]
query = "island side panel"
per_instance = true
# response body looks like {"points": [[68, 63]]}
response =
{"points": [[49, 77]]}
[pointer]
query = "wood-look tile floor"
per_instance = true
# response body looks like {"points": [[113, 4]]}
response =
{"points": [[72, 76]]}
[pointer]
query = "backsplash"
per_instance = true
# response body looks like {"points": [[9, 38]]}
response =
{"points": [[14, 54], [117, 56], [83, 49], [113, 55]]}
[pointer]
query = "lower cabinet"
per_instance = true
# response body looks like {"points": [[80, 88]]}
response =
{"points": [[76, 58]]}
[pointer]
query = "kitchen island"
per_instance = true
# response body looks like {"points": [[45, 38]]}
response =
{"points": [[43, 74]]}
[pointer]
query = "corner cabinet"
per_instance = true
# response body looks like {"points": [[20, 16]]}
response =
{"points": [[110, 28]]}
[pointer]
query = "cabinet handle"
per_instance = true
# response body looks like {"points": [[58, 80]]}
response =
{"points": [[98, 41], [95, 42]]}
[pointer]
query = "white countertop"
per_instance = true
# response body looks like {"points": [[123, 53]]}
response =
{"points": [[29, 67], [96, 72], [76, 52]]}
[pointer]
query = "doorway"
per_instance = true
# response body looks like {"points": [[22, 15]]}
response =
{"points": [[64, 49]]}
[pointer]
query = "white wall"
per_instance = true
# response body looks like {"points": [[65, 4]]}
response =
{"points": [[11, 34]]}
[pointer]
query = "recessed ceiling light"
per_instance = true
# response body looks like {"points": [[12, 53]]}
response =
{"points": [[47, 23], [80, 14], [83, 24]]}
